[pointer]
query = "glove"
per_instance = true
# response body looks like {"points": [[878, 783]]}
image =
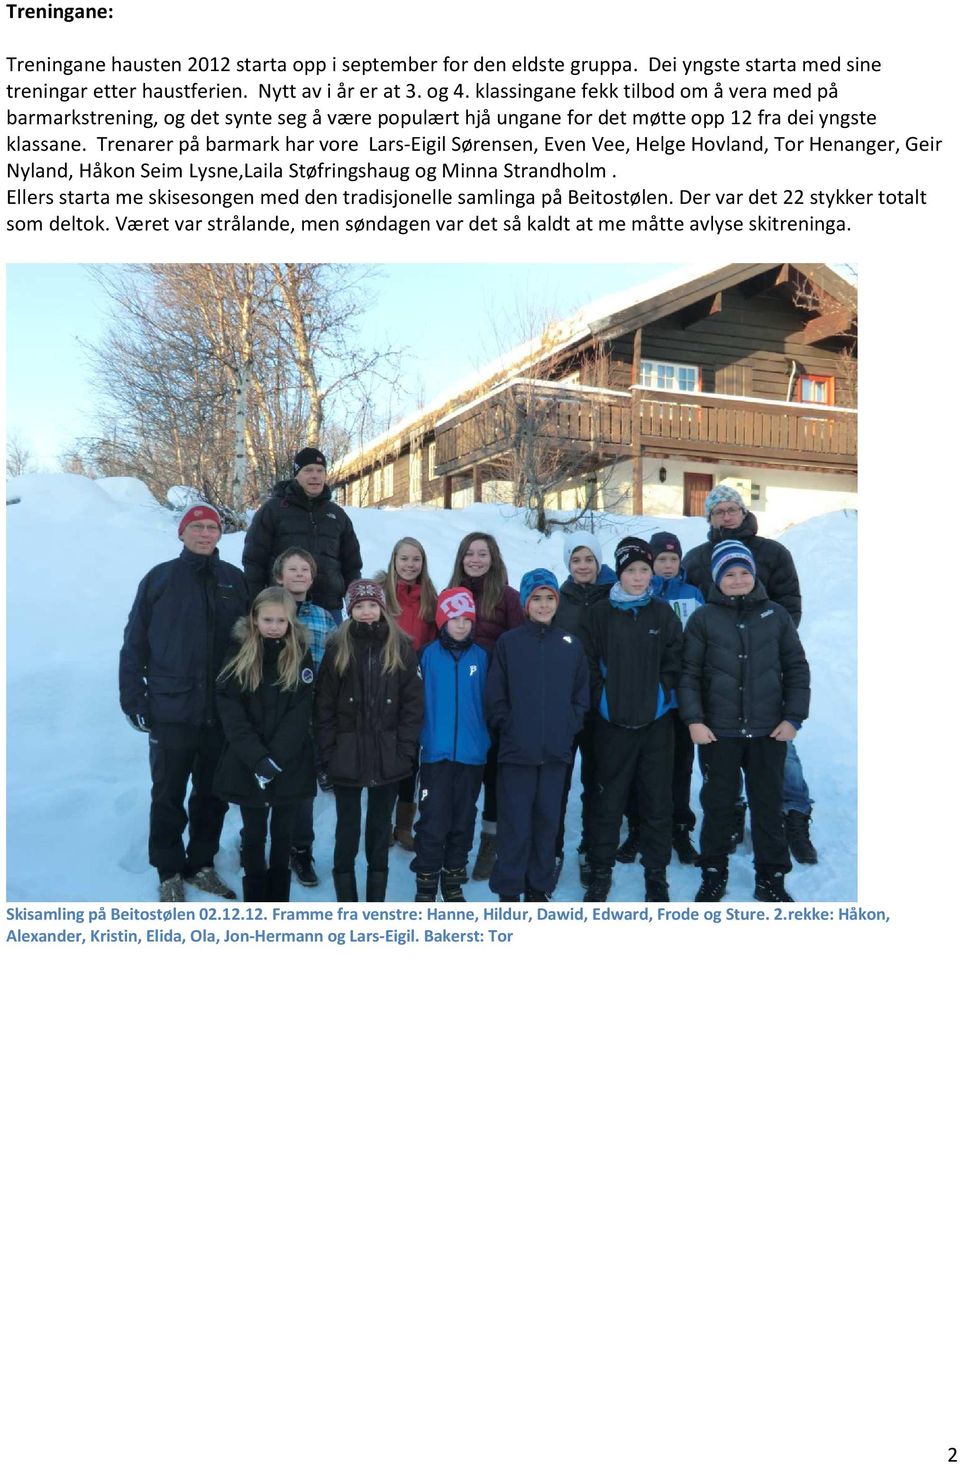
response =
{"points": [[265, 771], [137, 721]]}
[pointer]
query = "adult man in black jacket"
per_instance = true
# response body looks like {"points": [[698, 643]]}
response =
{"points": [[175, 642], [728, 519], [301, 514]]}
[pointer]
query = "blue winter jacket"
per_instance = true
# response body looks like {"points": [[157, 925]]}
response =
{"points": [[682, 597], [454, 728], [538, 693]]}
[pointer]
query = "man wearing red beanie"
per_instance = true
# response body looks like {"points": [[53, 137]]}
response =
{"points": [[175, 642]]}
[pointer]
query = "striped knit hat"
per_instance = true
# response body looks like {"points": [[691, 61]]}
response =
{"points": [[727, 555]]}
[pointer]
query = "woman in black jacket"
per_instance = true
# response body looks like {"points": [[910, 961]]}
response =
{"points": [[265, 699], [369, 714]]}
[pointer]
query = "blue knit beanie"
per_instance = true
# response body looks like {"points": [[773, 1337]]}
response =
{"points": [[728, 554], [538, 579]]}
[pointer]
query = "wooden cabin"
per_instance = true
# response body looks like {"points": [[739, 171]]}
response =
{"points": [[643, 401]]}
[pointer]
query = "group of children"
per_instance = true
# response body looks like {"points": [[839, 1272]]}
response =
{"points": [[436, 696]]}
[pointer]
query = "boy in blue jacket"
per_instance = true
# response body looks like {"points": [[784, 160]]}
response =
{"points": [[538, 693], [453, 749]]}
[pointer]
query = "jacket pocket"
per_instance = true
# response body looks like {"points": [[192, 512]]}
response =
{"points": [[393, 764], [172, 698], [344, 764]]}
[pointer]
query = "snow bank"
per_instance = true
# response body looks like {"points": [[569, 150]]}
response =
{"points": [[78, 781]]}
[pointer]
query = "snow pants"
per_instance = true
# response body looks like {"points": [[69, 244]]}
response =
{"points": [[680, 783], [761, 760], [528, 799], [636, 761], [582, 743], [178, 755], [446, 815]]}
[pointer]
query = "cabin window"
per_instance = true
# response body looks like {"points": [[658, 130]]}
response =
{"points": [[814, 389], [669, 376]]}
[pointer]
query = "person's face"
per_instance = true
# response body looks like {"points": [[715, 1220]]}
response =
{"points": [[636, 577], [666, 565], [459, 629], [312, 479], [200, 536], [296, 577], [408, 562], [726, 516], [272, 622], [477, 559], [736, 581], [583, 567], [542, 607], [366, 611]]}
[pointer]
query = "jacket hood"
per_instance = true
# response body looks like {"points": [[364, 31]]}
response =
{"points": [[757, 596], [290, 490], [604, 578], [199, 561]]}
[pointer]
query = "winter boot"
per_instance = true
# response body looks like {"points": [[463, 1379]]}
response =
{"points": [[376, 886], [508, 899], [301, 862], [256, 888], [486, 854], [599, 887], [532, 894], [583, 860], [278, 886], [172, 889], [798, 838], [682, 846], [427, 886], [630, 848], [655, 886], [713, 883], [452, 882], [345, 885], [769, 888], [208, 880], [403, 832], [739, 828]]}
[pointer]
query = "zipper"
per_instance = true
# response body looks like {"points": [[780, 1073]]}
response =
{"points": [[456, 702]]}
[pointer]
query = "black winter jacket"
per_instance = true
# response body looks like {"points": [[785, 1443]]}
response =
{"points": [[634, 658], [268, 722], [775, 566], [177, 637], [537, 694], [576, 600], [368, 721], [292, 520], [744, 669]]}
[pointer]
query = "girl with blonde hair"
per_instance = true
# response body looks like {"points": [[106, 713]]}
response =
{"points": [[412, 601], [265, 696]]}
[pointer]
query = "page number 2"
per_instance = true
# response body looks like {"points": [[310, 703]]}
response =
{"points": [[952, 1456]]}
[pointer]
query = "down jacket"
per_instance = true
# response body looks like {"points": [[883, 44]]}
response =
{"points": [[177, 638], [576, 600], [368, 720], [290, 519], [775, 566], [744, 669], [268, 722], [634, 655], [538, 693]]}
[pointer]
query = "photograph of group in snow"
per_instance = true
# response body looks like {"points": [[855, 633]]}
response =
{"points": [[550, 636]]}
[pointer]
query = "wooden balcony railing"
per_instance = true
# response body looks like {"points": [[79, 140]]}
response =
{"points": [[617, 423]]}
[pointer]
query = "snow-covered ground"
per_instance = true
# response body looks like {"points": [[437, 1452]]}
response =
{"points": [[78, 781]]}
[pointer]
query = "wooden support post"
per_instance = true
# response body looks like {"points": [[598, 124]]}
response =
{"points": [[637, 477], [637, 451], [446, 490], [477, 484]]}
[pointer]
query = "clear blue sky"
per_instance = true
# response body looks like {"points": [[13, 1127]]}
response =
{"points": [[440, 315]]}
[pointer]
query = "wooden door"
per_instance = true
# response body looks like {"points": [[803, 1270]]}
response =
{"points": [[696, 486]]}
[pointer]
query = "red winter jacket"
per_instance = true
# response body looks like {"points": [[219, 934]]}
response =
{"points": [[421, 632]]}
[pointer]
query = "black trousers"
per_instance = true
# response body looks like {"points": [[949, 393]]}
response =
{"points": [[179, 755], [407, 787], [529, 803], [253, 837], [638, 761], [490, 776], [446, 815], [762, 762], [680, 785], [582, 743], [377, 830]]}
